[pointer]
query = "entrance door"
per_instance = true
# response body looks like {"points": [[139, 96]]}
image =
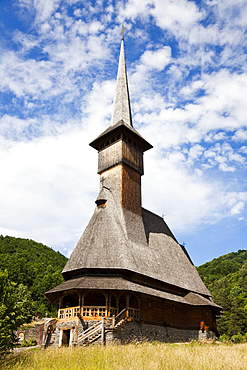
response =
{"points": [[66, 337]]}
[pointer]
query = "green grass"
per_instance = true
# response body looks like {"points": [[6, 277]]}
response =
{"points": [[136, 357]]}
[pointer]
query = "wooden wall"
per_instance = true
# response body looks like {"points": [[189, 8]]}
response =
{"points": [[161, 312]]}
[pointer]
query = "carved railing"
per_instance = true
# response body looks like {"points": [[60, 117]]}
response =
{"points": [[112, 311], [97, 311], [67, 313], [134, 313]]}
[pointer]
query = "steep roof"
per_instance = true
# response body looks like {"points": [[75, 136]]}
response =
{"points": [[121, 105], [119, 239], [120, 125]]}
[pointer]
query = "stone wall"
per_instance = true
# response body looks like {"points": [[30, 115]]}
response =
{"points": [[135, 332], [129, 333], [78, 326], [30, 333]]}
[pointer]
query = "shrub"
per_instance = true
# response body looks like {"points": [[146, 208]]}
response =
{"points": [[224, 338], [29, 343], [239, 338]]}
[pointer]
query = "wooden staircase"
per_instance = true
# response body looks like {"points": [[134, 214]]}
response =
{"points": [[120, 320], [98, 330], [92, 334]]}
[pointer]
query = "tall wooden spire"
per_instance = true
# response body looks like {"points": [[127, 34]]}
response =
{"points": [[121, 106]]}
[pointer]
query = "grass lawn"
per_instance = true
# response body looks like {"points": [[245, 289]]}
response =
{"points": [[134, 356]]}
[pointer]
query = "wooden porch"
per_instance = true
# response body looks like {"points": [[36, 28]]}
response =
{"points": [[95, 305], [96, 313]]}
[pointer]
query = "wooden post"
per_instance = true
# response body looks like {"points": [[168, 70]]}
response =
{"points": [[60, 302], [127, 305], [103, 331], [79, 300], [106, 304], [82, 304]]}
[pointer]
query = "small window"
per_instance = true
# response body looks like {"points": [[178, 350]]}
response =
{"points": [[101, 203]]}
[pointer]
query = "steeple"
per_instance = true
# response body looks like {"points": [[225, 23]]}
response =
{"points": [[121, 106], [121, 148]]}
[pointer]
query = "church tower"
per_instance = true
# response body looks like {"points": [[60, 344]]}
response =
{"points": [[128, 277], [121, 148]]}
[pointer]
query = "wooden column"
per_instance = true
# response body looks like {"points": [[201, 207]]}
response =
{"points": [[127, 304], [106, 303], [82, 303], [79, 295], [60, 302]]}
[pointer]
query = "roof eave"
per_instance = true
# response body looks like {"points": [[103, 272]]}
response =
{"points": [[120, 126]]}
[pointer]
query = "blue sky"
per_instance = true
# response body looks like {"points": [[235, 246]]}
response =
{"points": [[187, 76]]}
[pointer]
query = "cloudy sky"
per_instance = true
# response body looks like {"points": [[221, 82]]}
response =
{"points": [[187, 75]]}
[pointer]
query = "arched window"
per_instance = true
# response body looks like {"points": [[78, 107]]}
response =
{"points": [[94, 299], [122, 303], [113, 301], [71, 300], [133, 302]]}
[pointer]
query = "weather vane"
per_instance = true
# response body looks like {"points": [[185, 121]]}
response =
{"points": [[122, 31]]}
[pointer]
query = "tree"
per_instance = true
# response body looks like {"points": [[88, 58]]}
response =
{"points": [[34, 265], [16, 308]]}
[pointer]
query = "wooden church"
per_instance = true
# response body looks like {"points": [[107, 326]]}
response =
{"points": [[128, 278]]}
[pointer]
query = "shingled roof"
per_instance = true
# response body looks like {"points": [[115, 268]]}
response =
{"points": [[118, 239], [119, 284], [121, 105]]}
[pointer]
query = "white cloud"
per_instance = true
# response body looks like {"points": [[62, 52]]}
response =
{"points": [[50, 183], [44, 183], [177, 16], [187, 198], [240, 135], [42, 9], [22, 76], [157, 59], [173, 15]]}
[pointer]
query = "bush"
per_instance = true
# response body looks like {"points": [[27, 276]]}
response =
{"points": [[29, 343], [224, 338], [239, 338]]}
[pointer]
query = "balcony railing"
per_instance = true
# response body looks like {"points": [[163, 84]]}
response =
{"points": [[67, 313], [89, 311], [96, 311], [112, 311], [133, 313]]}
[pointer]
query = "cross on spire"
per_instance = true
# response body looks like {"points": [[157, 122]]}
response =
{"points": [[122, 31]]}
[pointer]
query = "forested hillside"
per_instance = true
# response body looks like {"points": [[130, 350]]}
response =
{"points": [[226, 278], [34, 265]]}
